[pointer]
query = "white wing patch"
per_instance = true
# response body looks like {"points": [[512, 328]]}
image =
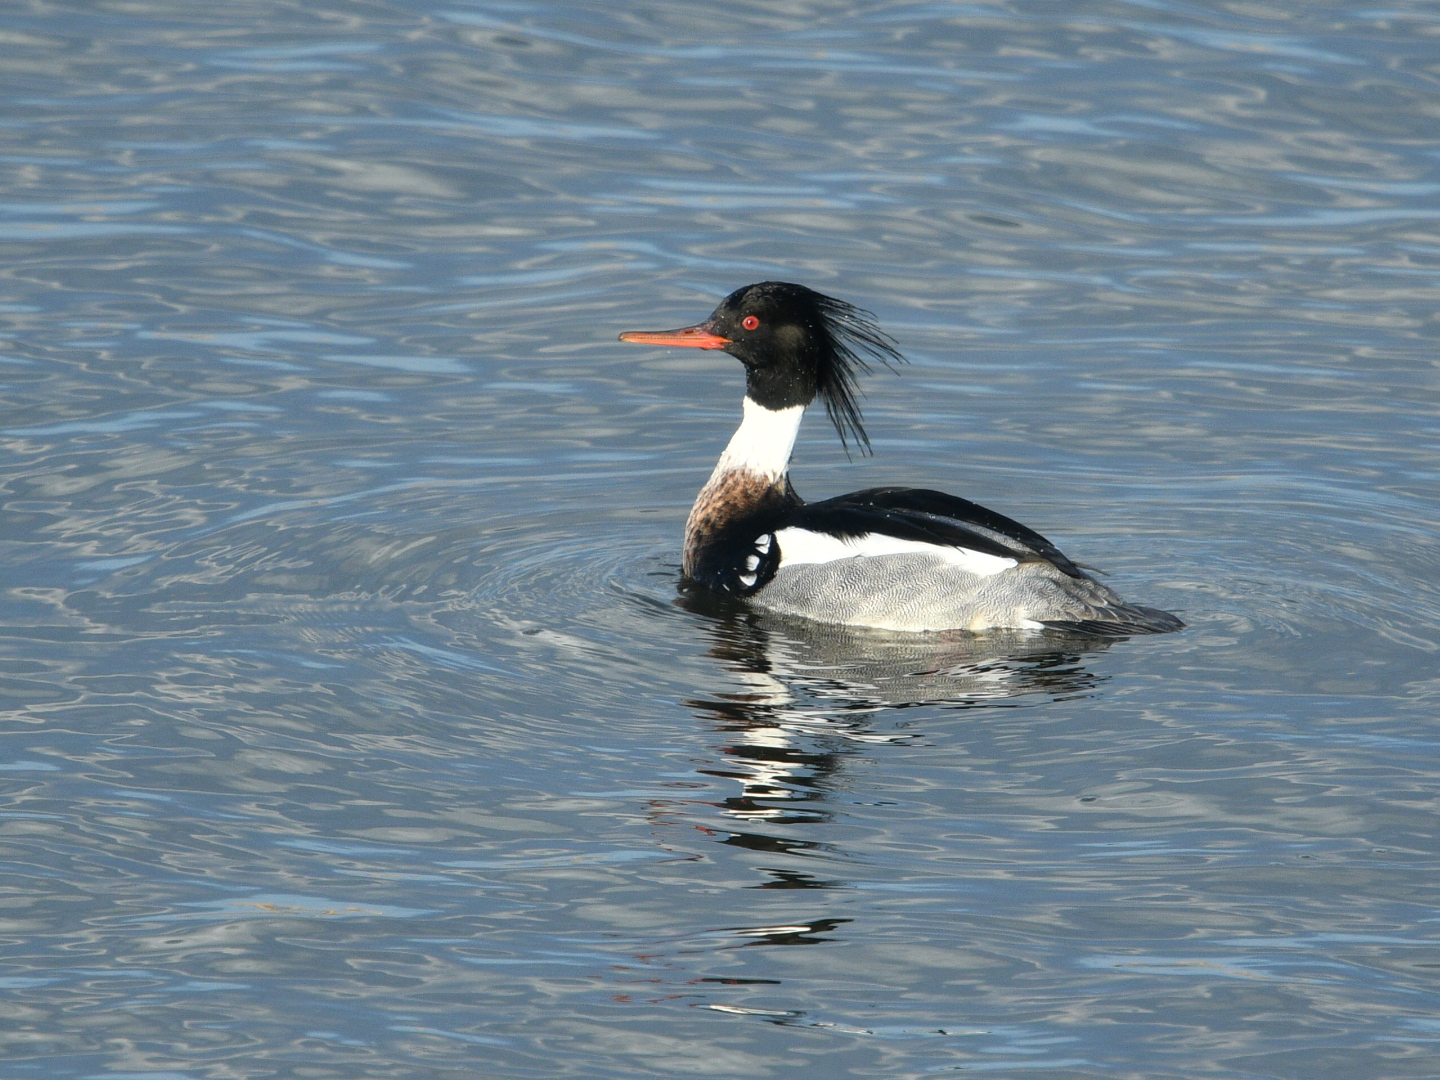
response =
{"points": [[801, 546]]}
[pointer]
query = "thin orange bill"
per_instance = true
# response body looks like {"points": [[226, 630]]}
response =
{"points": [[691, 337]]}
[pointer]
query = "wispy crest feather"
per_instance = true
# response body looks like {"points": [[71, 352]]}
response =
{"points": [[855, 338]]}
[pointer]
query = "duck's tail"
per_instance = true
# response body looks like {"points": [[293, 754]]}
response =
{"points": [[1121, 620]]}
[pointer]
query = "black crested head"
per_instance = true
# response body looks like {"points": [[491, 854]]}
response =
{"points": [[798, 344]]}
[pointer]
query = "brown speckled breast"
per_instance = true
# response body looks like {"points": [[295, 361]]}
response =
{"points": [[727, 499]]}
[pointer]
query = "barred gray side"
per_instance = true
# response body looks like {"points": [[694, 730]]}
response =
{"points": [[921, 592]]}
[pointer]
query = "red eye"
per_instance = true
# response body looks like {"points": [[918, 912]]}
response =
{"points": [[750, 322]]}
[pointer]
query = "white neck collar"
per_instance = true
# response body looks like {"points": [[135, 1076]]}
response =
{"points": [[763, 442]]}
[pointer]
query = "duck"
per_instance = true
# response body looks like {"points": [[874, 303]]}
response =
{"points": [[899, 559]]}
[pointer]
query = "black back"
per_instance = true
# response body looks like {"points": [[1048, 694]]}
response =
{"points": [[931, 517]]}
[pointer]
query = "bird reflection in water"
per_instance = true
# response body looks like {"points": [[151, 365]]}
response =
{"points": [[815, 693]]}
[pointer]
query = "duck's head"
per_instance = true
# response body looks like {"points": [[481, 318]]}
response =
{"points": [[796, 345]]}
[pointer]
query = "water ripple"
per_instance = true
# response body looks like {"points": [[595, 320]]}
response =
{"points": [[353, 721]]}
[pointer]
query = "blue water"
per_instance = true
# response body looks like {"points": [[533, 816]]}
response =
{"points": [[351, 726]]}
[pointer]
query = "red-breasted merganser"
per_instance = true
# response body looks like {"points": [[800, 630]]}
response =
{"points": [[890, 558]]}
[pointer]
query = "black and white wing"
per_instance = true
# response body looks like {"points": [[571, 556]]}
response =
{"points": [[891, 521]]}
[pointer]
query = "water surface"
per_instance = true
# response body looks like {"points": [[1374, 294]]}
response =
{"points": [[352, 724]]}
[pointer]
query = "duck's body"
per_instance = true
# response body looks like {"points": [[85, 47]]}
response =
{"points": [[905, 559]]}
